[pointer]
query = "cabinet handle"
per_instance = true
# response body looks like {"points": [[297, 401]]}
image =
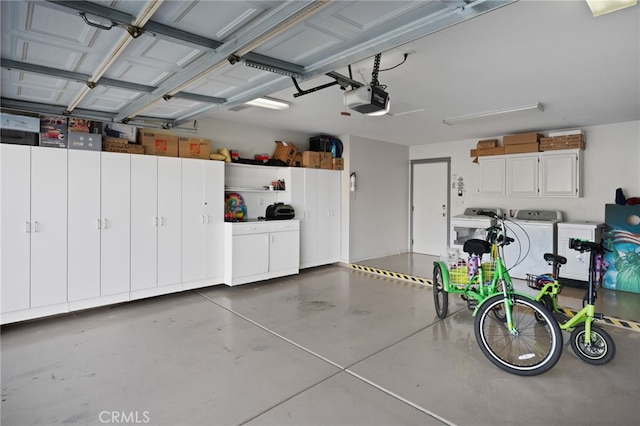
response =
{"points": [[105, 224], [202, 219], [161, 221], [35, 226], [27, 228], [208, 220]]}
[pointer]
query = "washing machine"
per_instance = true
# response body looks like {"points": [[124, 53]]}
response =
{"points": [[469, 225], [535, 233]]}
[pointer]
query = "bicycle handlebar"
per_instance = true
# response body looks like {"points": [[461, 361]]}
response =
{"points": [[584, 245], [487, 213]]}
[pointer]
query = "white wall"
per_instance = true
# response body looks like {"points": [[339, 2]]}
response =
{"points": [[611, 160], [378, 219]]}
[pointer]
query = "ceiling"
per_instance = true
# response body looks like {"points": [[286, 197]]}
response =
{"points": [[173, 62]]}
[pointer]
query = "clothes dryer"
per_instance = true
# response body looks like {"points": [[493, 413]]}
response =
{"points": [[535, 233]]}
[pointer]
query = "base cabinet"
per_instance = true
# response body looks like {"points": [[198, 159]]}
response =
{"points": [[261, 250]]}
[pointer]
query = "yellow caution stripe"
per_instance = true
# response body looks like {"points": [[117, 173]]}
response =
{"points": [[613, 321], [390, 274]]}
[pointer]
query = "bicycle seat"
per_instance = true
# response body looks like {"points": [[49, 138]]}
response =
{"points": [[476, 246], [554, 258]]}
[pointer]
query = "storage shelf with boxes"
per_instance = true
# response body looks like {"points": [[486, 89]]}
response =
{"points": [[522, 143]]}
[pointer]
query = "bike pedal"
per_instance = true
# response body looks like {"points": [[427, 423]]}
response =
{"points": [[471, 304]]}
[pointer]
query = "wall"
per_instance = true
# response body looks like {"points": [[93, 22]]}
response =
{"points": [[378, 215], [611, 160], [247, 139]]}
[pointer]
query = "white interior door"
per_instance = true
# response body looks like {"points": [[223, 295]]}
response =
{"points": [[430, 217]]}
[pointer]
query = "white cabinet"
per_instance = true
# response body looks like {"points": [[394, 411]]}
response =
{"points": [[561, 173], [202, 222], [155, 225], [492, 180], [543, 174], [315, 196], [115, 209], [33, 229], [577, 266], [522, 175], [261, 250], [98, 228]]}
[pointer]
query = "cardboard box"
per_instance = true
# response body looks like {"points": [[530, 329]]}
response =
{"points": [[338, 164], [285, 151], [326, 161], [162, 144], [19, 129], [498, 150], [562, 139], [117, 145], [473, 153], [521, 148], [194, 148], [119, 130], [53, 131], [86, 141], [566, 133], [489, 143], [521, 138], [297, 161], [553, 145], [311, 159]]}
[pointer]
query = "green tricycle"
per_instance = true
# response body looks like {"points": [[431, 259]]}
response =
{"points": [[515, 332]]}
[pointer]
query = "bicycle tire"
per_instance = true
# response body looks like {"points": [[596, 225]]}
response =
{"points": [[601, 350], [440, 295], [533, 350], [547, 303]]}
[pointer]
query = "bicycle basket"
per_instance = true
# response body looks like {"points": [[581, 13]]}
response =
{"points": [[488, 271], [538, 281], [458, 273]]}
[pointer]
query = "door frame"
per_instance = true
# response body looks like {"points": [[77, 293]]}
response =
{"points": [[447, 161]]}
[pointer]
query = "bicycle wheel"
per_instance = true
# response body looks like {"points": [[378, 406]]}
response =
{"points": [[547, 303], [440, 295], [498, 311], [598, 351], [533, 348]]}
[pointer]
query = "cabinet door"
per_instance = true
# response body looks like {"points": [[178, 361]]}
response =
{"points": [[309, 231], [49, 226], [214, 218], [115, 190], [492, 176], [144, 221], [193, 220], [169, 220], [329, 222], [83, 281], [250, 254], [15, 226], [522, 176], [283, 250], [560, 174]]}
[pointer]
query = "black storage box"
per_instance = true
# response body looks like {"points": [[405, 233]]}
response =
{"points": [[279, 211], [324, 143]]}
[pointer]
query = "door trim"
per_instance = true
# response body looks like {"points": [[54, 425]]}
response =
{"points": [[447, 161]]}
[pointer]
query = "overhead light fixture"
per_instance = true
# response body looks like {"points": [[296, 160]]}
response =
{"points": [[270, 103], [463, 118], [601, 7]]}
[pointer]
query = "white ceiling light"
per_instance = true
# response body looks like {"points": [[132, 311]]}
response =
{"points": [[463, 118], [270, 103], [600, 7]]}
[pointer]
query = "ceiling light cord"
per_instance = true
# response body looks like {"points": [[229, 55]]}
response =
{"points": [[396, 66]]}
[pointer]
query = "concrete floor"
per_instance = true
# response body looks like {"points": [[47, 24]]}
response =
{"points": [[330, 346]]}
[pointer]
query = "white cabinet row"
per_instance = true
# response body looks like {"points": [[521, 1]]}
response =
{"points": [[541, 174], [82, 229]]}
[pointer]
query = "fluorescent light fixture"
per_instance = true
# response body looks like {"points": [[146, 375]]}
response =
{"points": [[463, 118], [601, 7], [270, 103]]}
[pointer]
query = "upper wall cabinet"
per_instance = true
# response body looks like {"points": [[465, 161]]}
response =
{"points": [[542, 174]]}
